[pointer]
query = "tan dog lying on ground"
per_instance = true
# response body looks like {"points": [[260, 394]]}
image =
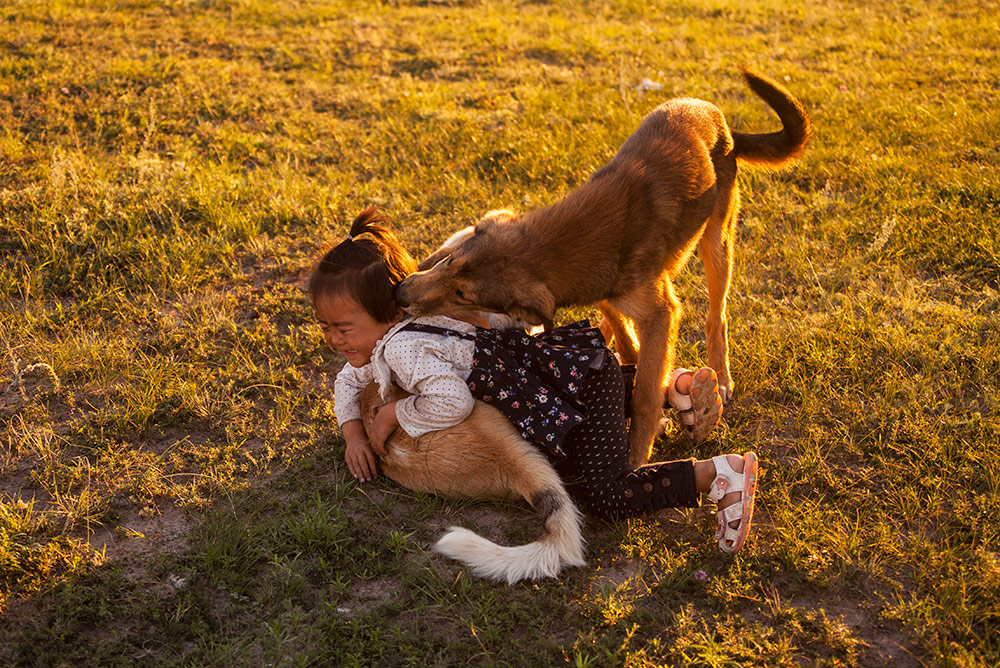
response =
{"points": [[620, 238], [484, 457]]}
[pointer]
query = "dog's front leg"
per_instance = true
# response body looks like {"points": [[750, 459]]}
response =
{"points": [[717, 334], [617, 327], [657, 327], [716, 250]]}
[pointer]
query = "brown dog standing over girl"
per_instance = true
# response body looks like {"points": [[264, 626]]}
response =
{"points": [[619, 240]]}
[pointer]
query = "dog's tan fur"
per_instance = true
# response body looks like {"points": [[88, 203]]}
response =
{"points": [[484, 457], [619, 240]]}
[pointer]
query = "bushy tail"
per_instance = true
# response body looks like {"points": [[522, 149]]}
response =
{"points": [[561, 545], [774, 149]]}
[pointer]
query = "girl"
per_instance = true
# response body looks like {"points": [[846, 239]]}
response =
{"points": [[563, 389]]}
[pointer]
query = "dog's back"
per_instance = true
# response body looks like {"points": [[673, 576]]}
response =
{"points": [[482, 457]]}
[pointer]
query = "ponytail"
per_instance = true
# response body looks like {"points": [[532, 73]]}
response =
{"points": [[367, 269]]}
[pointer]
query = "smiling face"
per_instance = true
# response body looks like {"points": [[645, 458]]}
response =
{"points": [[349, 329]]}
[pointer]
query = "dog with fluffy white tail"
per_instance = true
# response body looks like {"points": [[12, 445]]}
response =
{"points": [[485, 458]]}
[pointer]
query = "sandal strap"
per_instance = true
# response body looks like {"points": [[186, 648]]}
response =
{"points": [[726, 479], [726, 533], [730, 513], [727, 516], [687, 417], [680, 402]]}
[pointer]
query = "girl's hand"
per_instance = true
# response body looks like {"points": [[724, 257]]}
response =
{"points": [[360, 461], [359, 455], [384, 424]]}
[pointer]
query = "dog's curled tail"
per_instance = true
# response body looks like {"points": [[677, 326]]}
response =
{"points": [[561, 545], [774, 149]]}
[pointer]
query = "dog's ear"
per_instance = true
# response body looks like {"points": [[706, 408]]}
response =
{"points": [[535, 306], [435, 257], [492, 218], [484, 226], [500, 215], [447, 248]]}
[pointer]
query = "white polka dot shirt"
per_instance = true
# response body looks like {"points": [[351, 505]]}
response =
{"points": [[432, 367]]}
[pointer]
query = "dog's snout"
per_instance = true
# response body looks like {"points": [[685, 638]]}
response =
{"points": [[399, 294]]}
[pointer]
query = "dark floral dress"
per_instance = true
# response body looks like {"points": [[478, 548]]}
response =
{"points": [[534, 380], [565, 391]]}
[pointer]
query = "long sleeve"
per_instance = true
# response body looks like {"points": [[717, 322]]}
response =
{"points": [[347, 391]]}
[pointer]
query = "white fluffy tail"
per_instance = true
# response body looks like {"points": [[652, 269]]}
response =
{"points": [[562, 545]]}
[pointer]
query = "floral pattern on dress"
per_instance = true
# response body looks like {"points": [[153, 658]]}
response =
{"points": [[534, 380]]}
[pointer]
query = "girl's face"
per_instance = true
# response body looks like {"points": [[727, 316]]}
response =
{"points": [[349, 329]]}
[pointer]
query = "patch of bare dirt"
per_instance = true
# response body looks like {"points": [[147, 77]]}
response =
{"points": [[365, 596], [140, 536]]}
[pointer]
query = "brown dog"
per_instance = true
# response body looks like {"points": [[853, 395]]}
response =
{"points": [[620, 238], [484, 457]]}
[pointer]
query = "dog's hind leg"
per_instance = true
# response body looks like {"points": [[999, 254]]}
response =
{"points": [[716, 251], [619, 328], [657, 317]]}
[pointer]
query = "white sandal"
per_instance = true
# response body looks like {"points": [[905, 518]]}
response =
{"points": [[699, 410], [727, 481]]}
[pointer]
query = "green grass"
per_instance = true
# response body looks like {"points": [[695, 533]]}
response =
{"points": [[172, 484]]}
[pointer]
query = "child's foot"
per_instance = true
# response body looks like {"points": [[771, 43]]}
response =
{"points": [[695, 397], [733, 489]]}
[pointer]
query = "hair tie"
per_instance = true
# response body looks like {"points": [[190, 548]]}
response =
{"points": [[350, 238]]}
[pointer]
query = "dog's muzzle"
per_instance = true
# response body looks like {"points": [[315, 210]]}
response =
{"points": [[399, 294]]}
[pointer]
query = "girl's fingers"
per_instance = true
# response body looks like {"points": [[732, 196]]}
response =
{"points": [[363, 467], [358, 470], [370, 465]]}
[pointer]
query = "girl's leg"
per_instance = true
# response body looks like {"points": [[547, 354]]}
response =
{"points": [[730, 481], [694, 395], [596, 465]]}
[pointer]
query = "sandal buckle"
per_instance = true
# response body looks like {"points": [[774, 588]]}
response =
{"points": [[718, 489]]}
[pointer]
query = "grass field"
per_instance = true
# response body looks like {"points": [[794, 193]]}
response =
{"points": [[172, 484]]}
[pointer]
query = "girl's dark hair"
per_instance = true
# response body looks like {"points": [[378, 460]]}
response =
{"points": [[366, 270]]}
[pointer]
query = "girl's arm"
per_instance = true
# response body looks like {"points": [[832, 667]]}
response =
{"points": [[439, 401], [384, 424], [347, 390], [347, 393]]}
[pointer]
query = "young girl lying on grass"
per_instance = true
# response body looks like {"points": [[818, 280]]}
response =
{"points": [[563, 389]]}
